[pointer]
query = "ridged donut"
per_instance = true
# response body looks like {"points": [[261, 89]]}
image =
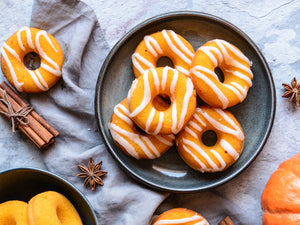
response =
{"points": [[227, 149], [180, 216], [13, 212], [164, 43], [161, 81], [235, 67], [52, 208], [24, 41], [131, 141]]}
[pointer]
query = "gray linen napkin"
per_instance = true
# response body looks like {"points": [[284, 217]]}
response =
{"points": [[69, 107]]}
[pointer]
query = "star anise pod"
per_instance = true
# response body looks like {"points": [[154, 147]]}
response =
{"points": [[92, 174], [292, 91]]}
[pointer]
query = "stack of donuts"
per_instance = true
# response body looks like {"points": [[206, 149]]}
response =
{"points": [[46, 208], [161, 105]]}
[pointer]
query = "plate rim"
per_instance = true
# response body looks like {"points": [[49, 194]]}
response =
{"points": [[122, 41]]}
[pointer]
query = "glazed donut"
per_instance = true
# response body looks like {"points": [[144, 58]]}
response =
{"points": [[52, 208], [28, 40], [227, 149], [131, 141], [164, 43], [13, 212], [235, 67], [180, 216], [156, 82]]}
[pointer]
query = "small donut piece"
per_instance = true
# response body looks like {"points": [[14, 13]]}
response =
{"points": [[227, 149], [167, 82], [13, 212], [180, 216], [235, 67], [52, 208], [24, 41], [164, 43], [131, 141]]}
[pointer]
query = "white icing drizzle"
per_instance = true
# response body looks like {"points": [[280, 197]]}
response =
{"points": [[242, 76], [150, 40], [160, 123], [151, 146], [181, 221], [205, 70], [133, 137], [200, 151], [126, 145], [236, 92], [156, 79], [208, 49], [164, 78], [198, 118], [181, 45], [220, 95], [182, 70], [136, 56], [195, 126], [150, 119], [220, 159], [227, 147], [147, 95], [188, 130], [28, 36], [202, 167], [121, 115], [175, 49], [35, 74], [17, 84], [131, 90], [186, 100], [164, 140]]}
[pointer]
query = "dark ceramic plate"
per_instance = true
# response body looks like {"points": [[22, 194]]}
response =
{"points": [[24, 183], [255, 114]]}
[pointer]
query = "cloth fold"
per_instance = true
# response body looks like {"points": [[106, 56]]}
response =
{"points": [[69, 107]]}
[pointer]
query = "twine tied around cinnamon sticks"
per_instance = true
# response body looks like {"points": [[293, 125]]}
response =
{"points": [[23, 117], [17, 117]]}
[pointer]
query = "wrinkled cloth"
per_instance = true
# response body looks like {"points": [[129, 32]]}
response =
{"points": [[69, 107]]}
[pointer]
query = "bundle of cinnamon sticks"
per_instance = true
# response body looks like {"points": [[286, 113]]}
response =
{"points": [[41, 133]]}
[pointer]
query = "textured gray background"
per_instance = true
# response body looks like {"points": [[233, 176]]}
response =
{"points": [[272, 24]]}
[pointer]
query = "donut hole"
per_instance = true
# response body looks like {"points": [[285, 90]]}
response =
{"points": [[164, 61], [32, 61], [161, 102], [209, 138], [139, 130], [220, 74]]}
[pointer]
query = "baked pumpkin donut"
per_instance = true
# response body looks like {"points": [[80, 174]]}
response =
{"points": [[226, 150], [52, 208], [164, 43], [31, 40], [161, 81], [131, 141], [180, 216], [13, 212], [235, 67]]}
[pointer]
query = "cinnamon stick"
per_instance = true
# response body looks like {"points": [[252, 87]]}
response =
{"points": [[22, 103], [41, 133], [226, 221]]}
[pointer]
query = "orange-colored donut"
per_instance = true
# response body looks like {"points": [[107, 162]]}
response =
{"points": [[164, 43], [24, 41], [235, 67], [131, 141], [13, 212], [161, 81], [180, 216], [227, 149], [52, 208]]}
